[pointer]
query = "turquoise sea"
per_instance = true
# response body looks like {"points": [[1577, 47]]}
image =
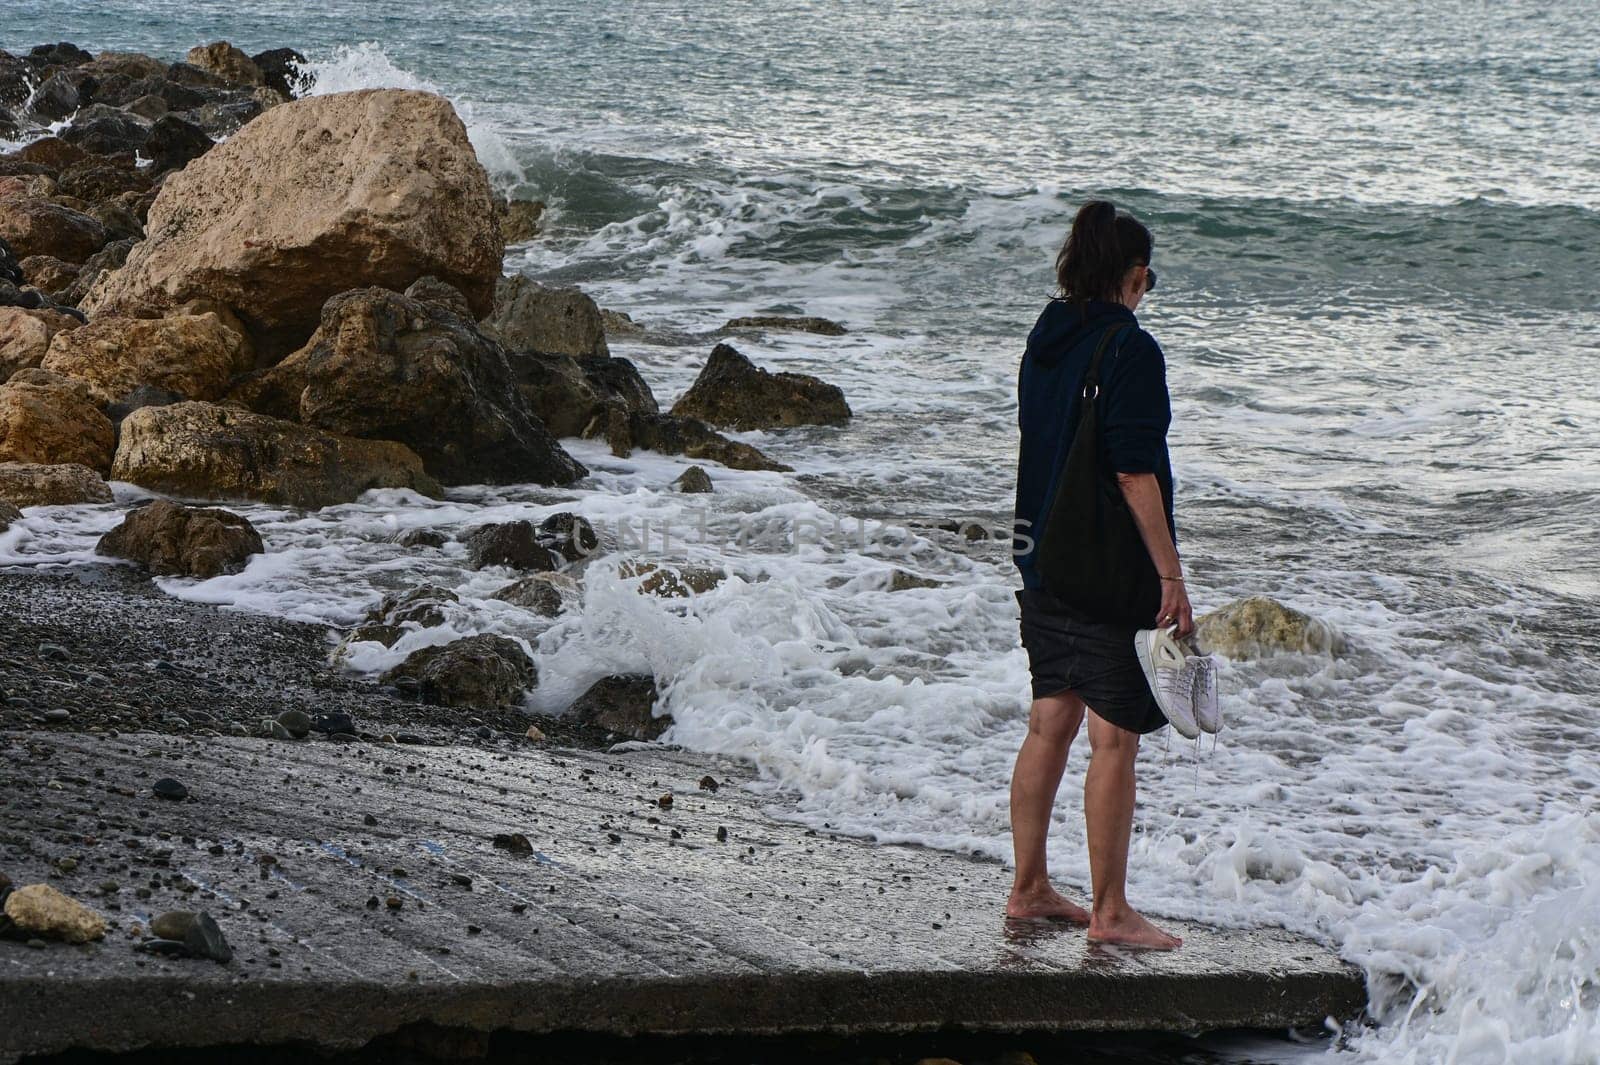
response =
{"points": [[1378, 234]]}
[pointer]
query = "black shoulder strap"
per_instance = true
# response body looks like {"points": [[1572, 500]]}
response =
{"points": [[1091, 377]]}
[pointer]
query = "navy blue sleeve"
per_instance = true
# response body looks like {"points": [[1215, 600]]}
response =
{"points": [[1137, 408]]}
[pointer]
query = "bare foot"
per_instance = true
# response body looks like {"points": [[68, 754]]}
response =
{"points": [[1129, 929], [1044, 903]]}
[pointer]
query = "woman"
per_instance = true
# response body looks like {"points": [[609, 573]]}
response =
{"points": [[1079, 664]]}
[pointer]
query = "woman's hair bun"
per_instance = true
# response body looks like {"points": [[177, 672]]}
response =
{"points": [[1101, 246]]}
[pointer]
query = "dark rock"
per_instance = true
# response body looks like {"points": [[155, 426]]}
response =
{"points": [[55, 98], [60, 54], [296, 722], [512, 543], [568, 535], [567, 392], [10, 514], [109, 257], [482, 672], [621, 703], [804, 324], [38, 227], [168, 788], [389, 367], [148, 106], [10, 268], [205, 940], [334, 724], [694, 479], [224, 117], [709, 783], [172, 143], [103, 130], [528, 316], [732, 392], [139, 398], [421, 538], [176, 96], [432, 290], [281, 69], [16, 80], [94, 180], [51, 152], [130, 65], [423, 606], [194, 77], [515, 842], [169, 538], [670, 434], [536, 593]]}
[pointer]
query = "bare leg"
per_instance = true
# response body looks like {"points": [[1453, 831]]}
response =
{"points": [[1108, 794], [1053, 723]]}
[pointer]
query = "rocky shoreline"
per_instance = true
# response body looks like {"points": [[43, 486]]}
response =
{"points": [[217, 287]]}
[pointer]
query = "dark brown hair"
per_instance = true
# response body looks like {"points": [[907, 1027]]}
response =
{"points": [[1103, 244]]}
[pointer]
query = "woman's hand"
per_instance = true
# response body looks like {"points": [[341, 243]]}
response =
{"points": [[1175, 609], [1143, 494]]}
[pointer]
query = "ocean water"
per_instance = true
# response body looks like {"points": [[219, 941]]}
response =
{"points": [[1378, 233]]}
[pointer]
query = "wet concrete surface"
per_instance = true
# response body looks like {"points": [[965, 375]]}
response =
{"points": [[361, 889]]}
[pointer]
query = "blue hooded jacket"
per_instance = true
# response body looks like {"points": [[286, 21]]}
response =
{"points": [[1135, 411]]}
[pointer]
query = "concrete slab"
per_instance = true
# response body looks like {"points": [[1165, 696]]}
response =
{"points": [[628, 917]]}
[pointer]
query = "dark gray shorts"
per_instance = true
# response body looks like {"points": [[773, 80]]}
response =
{"points": [[1093, 659]]}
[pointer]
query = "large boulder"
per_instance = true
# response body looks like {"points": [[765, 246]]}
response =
{"points": [[25, 336], [202, 451], [32, 484], [387, 366], [227, 62], [174, 143], [734, 393], [47, 418], [567, 393], [49, 274], [376, 187], [529, 316], [670, 434], [104, 130], [1259, 627], [33, 226], [192, 356], [479, 672], [623, 703], [170, 539], [515, 544], [9, 515]]}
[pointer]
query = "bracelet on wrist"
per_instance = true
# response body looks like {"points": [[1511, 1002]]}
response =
{"points": [[1177, 580]]}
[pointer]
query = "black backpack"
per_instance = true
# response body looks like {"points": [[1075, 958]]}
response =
{"points": [[1090, 554]]}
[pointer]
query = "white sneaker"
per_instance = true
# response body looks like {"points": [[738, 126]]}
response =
{"points": [[1171, 678], [1203, 693]]}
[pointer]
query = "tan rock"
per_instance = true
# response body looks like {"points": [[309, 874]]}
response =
{"points": [[734, 393], [135, 65], [226, 62], [193, 356], [32, 484], [170, 539], [801, 324], [203, 451], [25, 336], [47, 273], [39, 227], [40, 911], [529, 316], [1258, 627], [312, 198], [47, 418]]}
